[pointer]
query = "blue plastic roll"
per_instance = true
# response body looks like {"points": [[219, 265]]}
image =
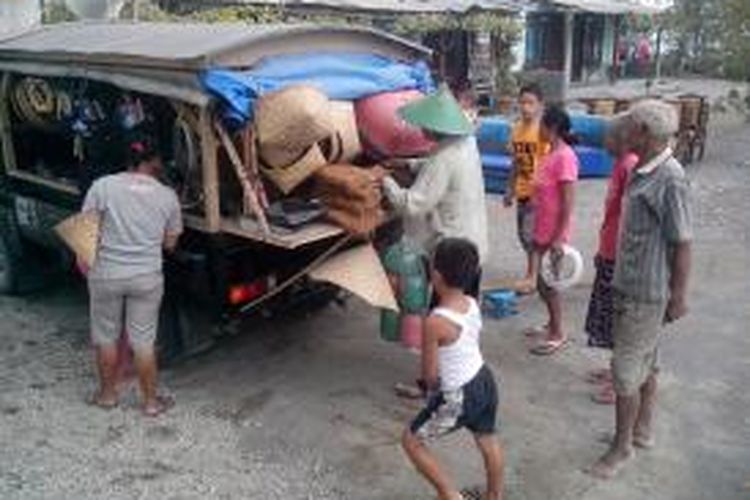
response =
{"points": [[590, 129], [494, 134], [594, 162], [497, 162]]}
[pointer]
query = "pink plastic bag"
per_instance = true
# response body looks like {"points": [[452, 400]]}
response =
{"points": [[383, 130], [411, 331]]}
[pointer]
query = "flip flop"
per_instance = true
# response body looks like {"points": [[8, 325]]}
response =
{"points": [[94, 401], [639, 442], [472, 493], [548, 347], [600, 472], [644, 443], [164, 404]]}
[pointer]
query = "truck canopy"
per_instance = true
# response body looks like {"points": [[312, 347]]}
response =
{"points": [[166, 58]]}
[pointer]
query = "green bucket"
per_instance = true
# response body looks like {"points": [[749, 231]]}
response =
{"points": [[390, 325], [414, 294]]}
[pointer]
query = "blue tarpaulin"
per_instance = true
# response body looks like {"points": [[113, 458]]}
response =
{"points": [[341, 76]]}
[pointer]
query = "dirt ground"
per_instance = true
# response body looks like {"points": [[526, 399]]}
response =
{"points": [[303, 409]]}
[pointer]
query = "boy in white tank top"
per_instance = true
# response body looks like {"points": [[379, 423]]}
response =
{"points": [[460, 388]]}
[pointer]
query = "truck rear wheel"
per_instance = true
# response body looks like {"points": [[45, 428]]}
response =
{"points": [[11, 254]]}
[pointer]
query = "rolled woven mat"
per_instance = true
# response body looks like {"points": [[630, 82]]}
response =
{"points": [[352, 205], [348, 177], [358, 224]]}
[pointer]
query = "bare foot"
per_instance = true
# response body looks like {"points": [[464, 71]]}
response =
{"points": [[525, 286], [610, 464], [408, 391], [158, 407]]}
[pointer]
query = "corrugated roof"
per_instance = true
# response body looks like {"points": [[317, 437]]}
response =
{"points": [[618, 6], [422, 6], [193, 46]]}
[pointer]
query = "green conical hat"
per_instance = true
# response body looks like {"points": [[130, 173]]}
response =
{"points": [[439, 112]]}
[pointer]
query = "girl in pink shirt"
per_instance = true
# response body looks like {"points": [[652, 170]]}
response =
{"points": [[600, 312], [554, 193]]}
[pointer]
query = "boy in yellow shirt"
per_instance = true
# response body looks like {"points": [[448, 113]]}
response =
{"points": [[527, 148]]}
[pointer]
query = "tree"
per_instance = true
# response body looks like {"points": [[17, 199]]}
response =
{"points": [[712, 36], [736, 38]]}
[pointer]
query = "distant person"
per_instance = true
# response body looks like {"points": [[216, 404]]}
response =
{"points": [[461, 389], [449, 186], [643, 55], [553, 200], [528, 149], [468, 100], [651, 277], [140, 217], [601, 304]]}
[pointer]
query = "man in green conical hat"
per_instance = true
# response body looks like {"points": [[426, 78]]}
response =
{"points": [[449, 188]]}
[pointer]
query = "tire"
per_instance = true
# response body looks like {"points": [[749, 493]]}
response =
{"points": [[10, 254]]}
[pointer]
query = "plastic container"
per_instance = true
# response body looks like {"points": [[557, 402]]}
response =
{"points": [[414, 293], [411, 331], [390, 325], [500, 303]]}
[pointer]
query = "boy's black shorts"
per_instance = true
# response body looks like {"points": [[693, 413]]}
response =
{"points": [[473, 407]]}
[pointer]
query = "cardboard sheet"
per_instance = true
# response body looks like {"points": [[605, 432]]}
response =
{"points": [[359, 270]]}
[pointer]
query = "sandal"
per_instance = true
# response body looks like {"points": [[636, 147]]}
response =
{"points": [[163, 404], [548, 347], [94, 400]]}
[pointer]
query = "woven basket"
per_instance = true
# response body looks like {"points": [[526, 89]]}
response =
{"points": [[81, 234], [289, 177], [290, 121]]}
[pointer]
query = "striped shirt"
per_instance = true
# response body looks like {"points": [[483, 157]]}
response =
{"points": [[656, 216]]}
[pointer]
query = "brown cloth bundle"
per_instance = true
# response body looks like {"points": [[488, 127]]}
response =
{"points": [[352, 196]]}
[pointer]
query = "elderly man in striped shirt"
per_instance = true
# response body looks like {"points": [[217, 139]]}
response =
{"points": [[651, 275]]}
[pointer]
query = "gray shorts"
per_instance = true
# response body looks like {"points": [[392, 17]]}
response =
{"points": [[130, 304], [636, 331], [525, 224]]}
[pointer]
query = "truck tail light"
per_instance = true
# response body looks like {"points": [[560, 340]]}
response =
{"points": [[246, 292]]}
